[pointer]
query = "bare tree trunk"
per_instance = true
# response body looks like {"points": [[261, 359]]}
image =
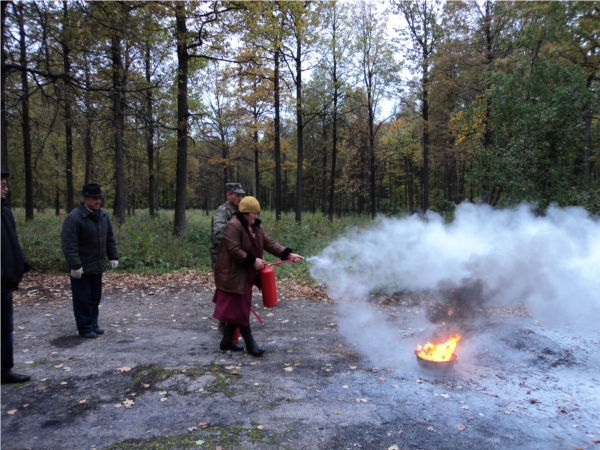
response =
{"points": [[67, 109], [334, 137], [150, 135], [120, 206], [4, 139], [26, 120], [300, 131], [182, 119], [277, 140], [371, 144], [587, 135], [87, 140], [256, 166]]}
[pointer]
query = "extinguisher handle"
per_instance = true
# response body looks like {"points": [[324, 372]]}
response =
{"points": [[276, 263]]}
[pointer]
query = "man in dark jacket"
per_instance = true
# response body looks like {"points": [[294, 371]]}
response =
{"points": [[87, 240], [14, 265]]}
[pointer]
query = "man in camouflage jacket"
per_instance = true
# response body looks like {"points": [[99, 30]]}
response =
{"points": [[222, 215]]}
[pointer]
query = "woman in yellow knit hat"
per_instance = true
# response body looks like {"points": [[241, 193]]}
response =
{"points": [[236, 271]]}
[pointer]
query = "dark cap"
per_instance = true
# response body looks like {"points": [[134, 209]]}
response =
{"points": [[5, 173], [91, 190], [235, 187]]}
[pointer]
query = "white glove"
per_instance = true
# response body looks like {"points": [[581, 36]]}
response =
{"points": [[114, 264], [76, 273]]}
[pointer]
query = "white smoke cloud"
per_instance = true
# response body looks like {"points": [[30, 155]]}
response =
{"points": [[550, 263]]}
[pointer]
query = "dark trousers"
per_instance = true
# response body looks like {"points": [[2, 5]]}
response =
{"points": [[7, 331], [87, 292]]}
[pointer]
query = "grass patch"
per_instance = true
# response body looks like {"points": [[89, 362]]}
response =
{"points": [[147, 244]]}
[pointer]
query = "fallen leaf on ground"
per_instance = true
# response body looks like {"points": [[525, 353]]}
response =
{"points": [[288, 369], [164, 399], [118, 405], [83, 401], [63, 382], [58, 366], [192, 428], [339, 412], [393, 447], [146, 385], [260, 427], [200, 442], [41, 388], [128, 403], [430, 428], [444, 395], [203, 424], [162, 393], [363, 400], [123, 369], [461, 426], [464, 407], [352, 367], [11, 412], [533, 400]]}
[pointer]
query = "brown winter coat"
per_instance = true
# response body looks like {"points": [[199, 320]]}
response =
{"points": [[235, 255]]}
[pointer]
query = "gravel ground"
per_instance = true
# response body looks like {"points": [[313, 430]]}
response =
{"points": [[156, 378]]}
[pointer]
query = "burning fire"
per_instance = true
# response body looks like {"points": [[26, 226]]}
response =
{"points": [[438, 352]]}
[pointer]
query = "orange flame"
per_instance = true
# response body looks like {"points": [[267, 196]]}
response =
{"points": [[438, 352]]}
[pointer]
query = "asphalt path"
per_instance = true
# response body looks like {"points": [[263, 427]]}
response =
{"points": [[156, 378]]}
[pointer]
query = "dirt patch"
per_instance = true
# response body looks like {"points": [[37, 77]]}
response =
{"points": [[156, 378]]}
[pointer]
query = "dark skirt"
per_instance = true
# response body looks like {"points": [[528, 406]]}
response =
{"points": [[234, 308]]}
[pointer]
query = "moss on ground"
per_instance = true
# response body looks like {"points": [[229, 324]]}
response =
{"points": [[211, 438]]}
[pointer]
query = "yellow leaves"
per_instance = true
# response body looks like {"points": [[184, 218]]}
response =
{"points": [[203, 424]]}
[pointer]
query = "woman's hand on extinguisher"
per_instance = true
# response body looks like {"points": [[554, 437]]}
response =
{"points": [[296, 258], [259, 264]]}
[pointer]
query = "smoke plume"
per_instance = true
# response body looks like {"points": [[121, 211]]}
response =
{"points": [[550, 263]]}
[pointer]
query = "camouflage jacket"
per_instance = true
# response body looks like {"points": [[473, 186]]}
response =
{"points": [[221, 216]]}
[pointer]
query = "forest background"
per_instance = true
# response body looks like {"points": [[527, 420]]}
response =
{"points": [[327, 109]]}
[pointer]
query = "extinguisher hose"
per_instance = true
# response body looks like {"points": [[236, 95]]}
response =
{"points": [[257, 316], [279, 262]]}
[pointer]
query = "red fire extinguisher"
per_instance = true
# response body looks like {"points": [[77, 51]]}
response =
{"points": [[268, 285]]}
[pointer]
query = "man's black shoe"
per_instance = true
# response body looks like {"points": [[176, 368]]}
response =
{"points": [[9, 377], [98, 330], [90, 335]]}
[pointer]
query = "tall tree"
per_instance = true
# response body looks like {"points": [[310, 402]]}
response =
{"points": [[378, 72], [25, 124], [422, 34]]}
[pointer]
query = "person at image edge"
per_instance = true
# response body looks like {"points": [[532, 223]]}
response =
{"points": [[14, 265]]}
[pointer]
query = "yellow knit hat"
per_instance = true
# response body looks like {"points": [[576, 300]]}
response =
{"points": [[249, 204]]}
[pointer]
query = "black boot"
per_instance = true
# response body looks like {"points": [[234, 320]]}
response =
{"points": [[227, 341], [251, 346]]}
